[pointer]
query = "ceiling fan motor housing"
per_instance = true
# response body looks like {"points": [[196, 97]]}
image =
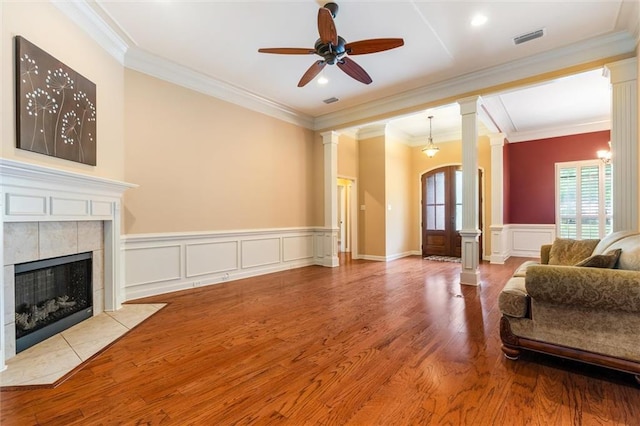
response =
{"points": [[329, 52], [333, 8]]}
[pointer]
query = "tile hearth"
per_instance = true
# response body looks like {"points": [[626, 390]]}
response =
{"points": [[50, 360]]}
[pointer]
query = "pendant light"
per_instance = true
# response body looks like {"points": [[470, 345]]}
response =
{"points": [[431, 149]]}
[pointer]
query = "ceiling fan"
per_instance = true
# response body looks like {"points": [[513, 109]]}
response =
{"points": [[335, 50]]}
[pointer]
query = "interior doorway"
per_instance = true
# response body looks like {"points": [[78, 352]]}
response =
{"points": [[346, 213], [442, 211]]}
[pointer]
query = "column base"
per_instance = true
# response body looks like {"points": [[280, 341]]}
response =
{"points": [[331, 262], [470, 278]]}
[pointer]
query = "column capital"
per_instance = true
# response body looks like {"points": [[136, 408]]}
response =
{"points": [[469, 105], [496, 139], [621, 71], [330, 137]]}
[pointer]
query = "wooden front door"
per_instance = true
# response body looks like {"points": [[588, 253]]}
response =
{"points": [[442, 212]]}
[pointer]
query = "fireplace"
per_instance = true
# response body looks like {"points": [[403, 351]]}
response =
{"points": [[48, 212], [51, 295]]}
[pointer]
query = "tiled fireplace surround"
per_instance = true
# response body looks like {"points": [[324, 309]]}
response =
{"points": [[29, 241], [47, 212]]}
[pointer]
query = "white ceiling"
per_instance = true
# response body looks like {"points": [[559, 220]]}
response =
{"points": [[215, 45]]}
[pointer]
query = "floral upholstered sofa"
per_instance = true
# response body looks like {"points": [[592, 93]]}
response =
{"points": [[581, 301]]}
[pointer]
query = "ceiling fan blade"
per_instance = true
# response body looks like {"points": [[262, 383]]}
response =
{"points": [[372, 45], [311, 72], [354, 70], [326, 27], [288, 50]]}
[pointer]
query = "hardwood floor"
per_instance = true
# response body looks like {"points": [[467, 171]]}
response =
{"points": [[368, 343]]}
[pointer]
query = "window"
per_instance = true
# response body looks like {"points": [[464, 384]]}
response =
{"points": [[583, 199]]}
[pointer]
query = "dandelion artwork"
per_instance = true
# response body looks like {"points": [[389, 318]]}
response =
{"points": [[56, 106]]}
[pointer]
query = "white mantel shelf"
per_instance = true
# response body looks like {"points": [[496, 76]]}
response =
{"points": [[18, 173], [35, 193]]}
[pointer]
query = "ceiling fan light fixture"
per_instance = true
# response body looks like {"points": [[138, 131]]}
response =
{"points": [[431, 149], [479, 20]]}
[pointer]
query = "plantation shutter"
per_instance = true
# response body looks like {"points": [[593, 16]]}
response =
{"points": [[583, 199]]}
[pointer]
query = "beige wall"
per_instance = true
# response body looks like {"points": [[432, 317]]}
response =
{"points": [[44, 25], [451, 153], [204, 164], [347, 157], [371, 194], [399, 216]]}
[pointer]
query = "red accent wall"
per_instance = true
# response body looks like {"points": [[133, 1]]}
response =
{"points": [[530, 173]]}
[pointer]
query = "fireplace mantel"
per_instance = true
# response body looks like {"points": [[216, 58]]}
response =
{"points": [[35, 193]]}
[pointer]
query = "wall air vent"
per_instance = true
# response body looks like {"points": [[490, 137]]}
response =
{"points": [[331, 100], [523, 38]]}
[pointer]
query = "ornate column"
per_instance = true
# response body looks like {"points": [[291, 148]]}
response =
{"points": [[470, 232], [330, 237], [499, 251], [624, 143]]}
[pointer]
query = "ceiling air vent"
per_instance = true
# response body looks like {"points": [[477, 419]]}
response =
{"points": [[528, 36], [331, 100]]}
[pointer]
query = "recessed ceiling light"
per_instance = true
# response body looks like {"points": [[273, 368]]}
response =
{"points": [[323, 80], [478, 20]]}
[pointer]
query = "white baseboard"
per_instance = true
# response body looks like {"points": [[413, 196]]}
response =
{"points": [[162, 263]]}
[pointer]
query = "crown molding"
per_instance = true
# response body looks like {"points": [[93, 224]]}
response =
{"points": [[583, 52], [86, 17], [398, 135], [97, 26], [628, 18], [139, 60], [373, 130], [596, 126]]}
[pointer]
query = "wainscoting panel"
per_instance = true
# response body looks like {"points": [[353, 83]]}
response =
{"points": [[161, 263], [260, 252], [526, 240], [297, 247], [211, 258]]}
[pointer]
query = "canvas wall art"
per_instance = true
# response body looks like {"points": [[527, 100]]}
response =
{"points": [[56, 106]]}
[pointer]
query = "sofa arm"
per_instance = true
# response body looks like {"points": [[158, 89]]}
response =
{"points": [[545, 251], [593, 288]]}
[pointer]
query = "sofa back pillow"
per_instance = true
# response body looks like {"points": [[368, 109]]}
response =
{"points": [[568, 252], [607, 260]]}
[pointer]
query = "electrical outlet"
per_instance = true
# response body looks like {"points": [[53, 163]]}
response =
{"points": [[225, 277], [197, 283]]}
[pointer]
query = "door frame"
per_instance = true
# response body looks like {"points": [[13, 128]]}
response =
{"points": [[481, 201], [353, 214]]}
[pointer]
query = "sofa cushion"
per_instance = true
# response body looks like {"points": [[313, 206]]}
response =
{"points": [[522, 269], [513, 299], [565, 251], [607, 260]]}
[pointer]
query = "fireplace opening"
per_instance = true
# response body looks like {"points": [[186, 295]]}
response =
{"points": [[51, 296]]}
